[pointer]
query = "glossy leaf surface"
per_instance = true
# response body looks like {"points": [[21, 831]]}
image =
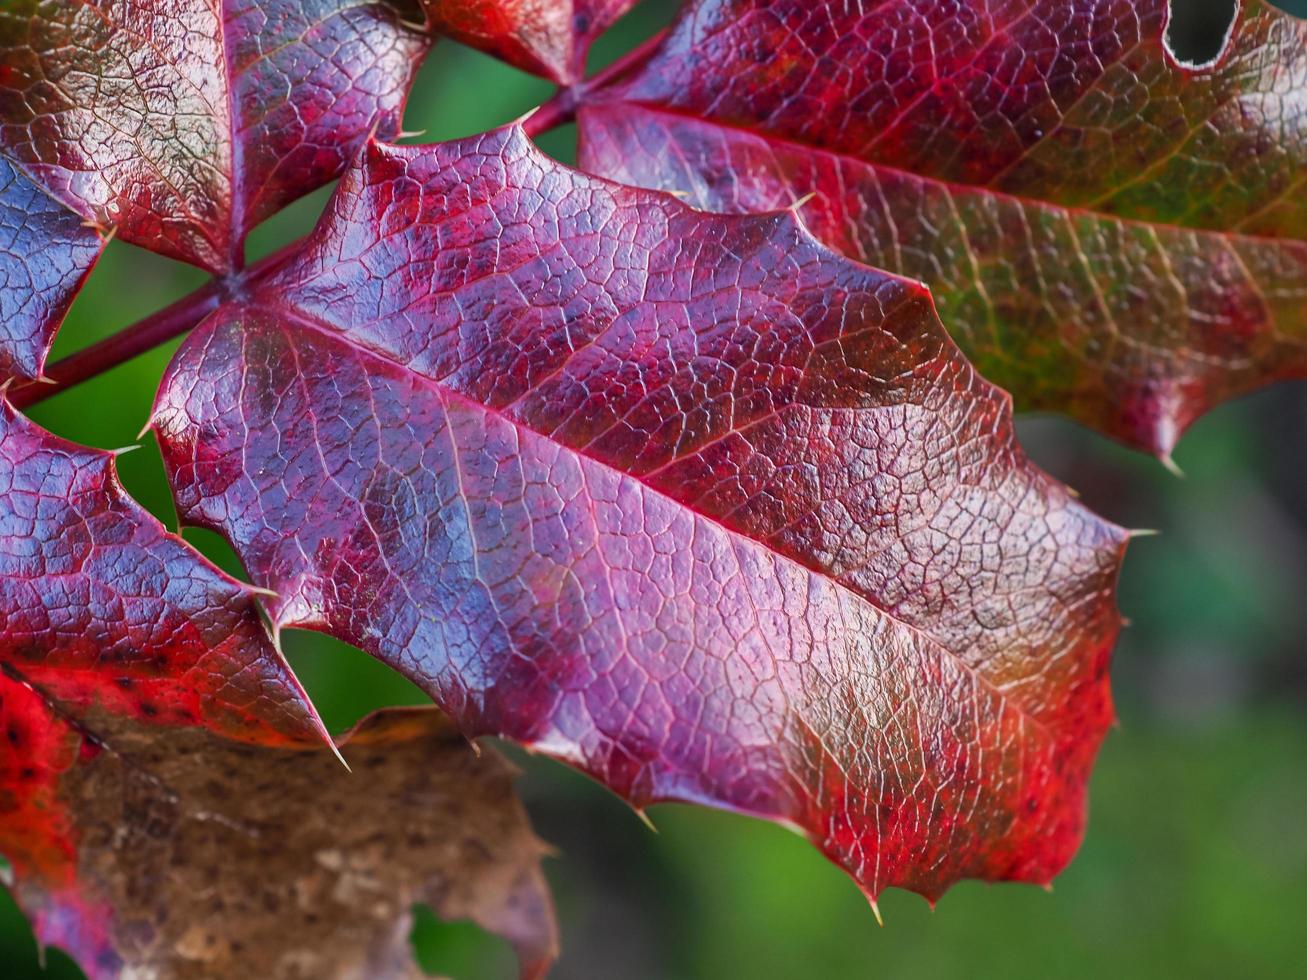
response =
{"points": [[546, 37], [1107, 232], [45, 253], [686, 500], [183, 123], [191, 857], [101, 606]]}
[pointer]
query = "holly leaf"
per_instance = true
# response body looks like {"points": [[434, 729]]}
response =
{"points": [[102, 611], [46, 252], [1108, 232], [685, 500], [106, 616], [546, 37], [101, 606], [187, 856], [183, 123]]}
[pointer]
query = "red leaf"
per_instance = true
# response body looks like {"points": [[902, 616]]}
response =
{"points": [[45, 254], [102, 611], [546, 37], [100, 606], [183, 123], [189, 857], [1108, 233], [686, 500]]}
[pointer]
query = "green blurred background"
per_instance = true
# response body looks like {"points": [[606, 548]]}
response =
{"points": [[1195, 863]]}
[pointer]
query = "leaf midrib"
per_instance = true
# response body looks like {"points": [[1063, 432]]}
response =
{"points": [[677, 112], [283, 308]]}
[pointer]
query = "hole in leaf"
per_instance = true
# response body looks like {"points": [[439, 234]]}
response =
{"points": [[344, 682], [1198, 31], [459, 950]]}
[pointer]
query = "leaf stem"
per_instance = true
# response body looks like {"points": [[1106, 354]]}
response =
{"points": [[178, 318], [144, 335], [561, 108]]}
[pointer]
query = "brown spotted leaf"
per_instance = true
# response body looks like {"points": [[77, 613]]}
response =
{"points": [[103, 610], [1108, 232], [181, 856], [686, 500]]}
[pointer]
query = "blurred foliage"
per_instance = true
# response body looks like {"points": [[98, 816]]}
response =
{"points": [[1195, 863]]}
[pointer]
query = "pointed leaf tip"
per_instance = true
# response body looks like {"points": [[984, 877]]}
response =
{"points": [[1158, 269], [542, 476]]}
